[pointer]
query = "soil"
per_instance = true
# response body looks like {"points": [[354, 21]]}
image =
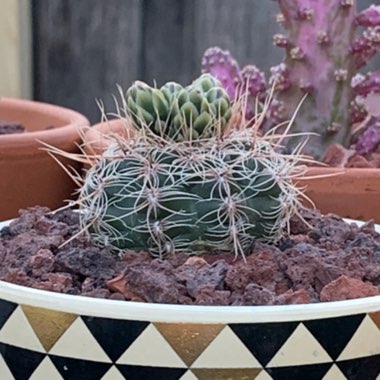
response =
{"points": [[327, 261], [8, 128]]}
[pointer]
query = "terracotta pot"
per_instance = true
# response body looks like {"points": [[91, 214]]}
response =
{"points": [[46, 335], [350, 193], [97, 138], [29, 175]]}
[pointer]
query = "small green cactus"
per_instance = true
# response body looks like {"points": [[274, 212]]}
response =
{"points": [[196, 112]]}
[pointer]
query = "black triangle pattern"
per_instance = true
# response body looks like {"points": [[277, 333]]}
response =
{"points": [[264, 339], [134, 372], [334, 333], [6, 309], [79, 369], [114, 335], [367, 368], [302, 372], [14, 355]]}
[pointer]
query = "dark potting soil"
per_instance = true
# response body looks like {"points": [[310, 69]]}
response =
{"points": [[330, 260], [9, 128]]}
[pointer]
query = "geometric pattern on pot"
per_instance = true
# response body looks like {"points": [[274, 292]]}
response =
{"points": [[39, 344]]}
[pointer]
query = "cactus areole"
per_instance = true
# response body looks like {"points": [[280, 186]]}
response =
{"points": [[326, 42]]}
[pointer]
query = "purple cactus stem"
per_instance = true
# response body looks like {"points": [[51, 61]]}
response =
{"points": [[280, 77], [277, 111], [254, 81], [325, 43], [358, 110], [224, 67], [364, 85], [318, 63], [369, 17], [249, 83], [280, 40], [369, 140]]}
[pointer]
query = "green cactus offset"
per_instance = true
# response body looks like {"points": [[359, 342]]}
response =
{"points": [[195, 112]]}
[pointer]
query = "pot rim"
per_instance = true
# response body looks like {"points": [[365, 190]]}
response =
{"points": [[74, 120], [105, 308]]}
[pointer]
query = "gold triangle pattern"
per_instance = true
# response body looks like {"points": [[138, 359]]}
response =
{"points": [[48, 325], [376, 318], [227, 373], [189, 340]]}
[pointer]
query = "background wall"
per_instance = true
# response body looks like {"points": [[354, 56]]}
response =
{"points": [[15, 47], [83, 48]]}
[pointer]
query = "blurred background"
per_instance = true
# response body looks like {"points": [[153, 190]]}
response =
{"points": [[72, 52]]}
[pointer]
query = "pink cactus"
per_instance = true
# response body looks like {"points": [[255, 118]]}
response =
{"points": [[323, 51], [249, 82], [369, 140]]}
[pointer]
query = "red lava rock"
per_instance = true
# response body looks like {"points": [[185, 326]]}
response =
{"points": [[41, 262], [210, 296], [197, 274], [97, 293], [117, 297], [154, 282], [56, 282], [330, 256], [258, 295], [337, 156], [118, 285], [359, 161], [261, 268], [85, 262], [291, 297], [18, 277], [345, 288]]}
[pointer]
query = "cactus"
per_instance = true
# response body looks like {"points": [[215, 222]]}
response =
{"points": [[249, 82], [369, 140], [195, 112], [322, 55], [165, 197]]}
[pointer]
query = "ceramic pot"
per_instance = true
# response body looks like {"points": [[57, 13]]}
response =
{"points": [[350, 193], [46, 335], [29, 176]]}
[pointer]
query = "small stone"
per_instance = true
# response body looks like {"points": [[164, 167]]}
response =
{"points": [[42, 262], [300, 296], [258, 295], [359, 161], [346, 288], [337, 156]]}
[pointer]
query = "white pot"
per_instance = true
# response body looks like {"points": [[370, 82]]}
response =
{"points": [[48, 336]]}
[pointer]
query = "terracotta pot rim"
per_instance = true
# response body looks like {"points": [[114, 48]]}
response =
{"points": [[333, 170], [75, 121]]}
